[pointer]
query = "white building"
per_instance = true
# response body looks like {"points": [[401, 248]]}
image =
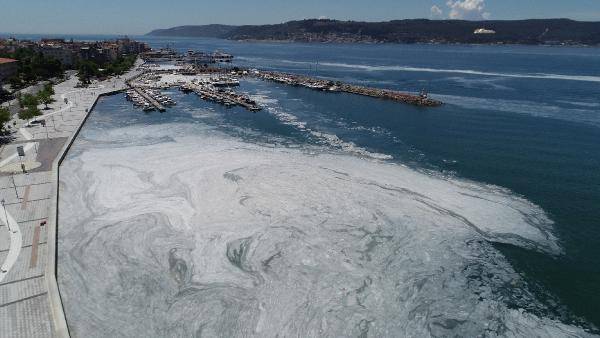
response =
{"points": [[484, 31]]}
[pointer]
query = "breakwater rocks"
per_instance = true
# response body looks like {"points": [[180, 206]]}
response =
{"points": [[421, 99]]}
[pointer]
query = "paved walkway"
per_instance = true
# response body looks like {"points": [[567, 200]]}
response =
{"points": [[29, 301]]}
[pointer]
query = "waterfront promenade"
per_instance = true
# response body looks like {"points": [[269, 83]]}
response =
{"points": [[30, 304]]}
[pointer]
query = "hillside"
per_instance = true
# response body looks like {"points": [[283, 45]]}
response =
{"points": [[535, 31], [207, 31]]}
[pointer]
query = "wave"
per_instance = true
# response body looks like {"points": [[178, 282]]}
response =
{"points": [[328, 139], [580, 103], [543, 76], [585, 78], [478, 83], [537, 109]]}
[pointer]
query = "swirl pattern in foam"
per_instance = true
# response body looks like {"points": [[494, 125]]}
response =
{"points": [[206, 235]]}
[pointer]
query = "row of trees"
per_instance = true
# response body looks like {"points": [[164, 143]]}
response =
{"points": [[33, 67], [29, 106], [91, 69]]}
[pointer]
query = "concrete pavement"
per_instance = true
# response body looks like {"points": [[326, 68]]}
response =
{"points": [[30, 304]]}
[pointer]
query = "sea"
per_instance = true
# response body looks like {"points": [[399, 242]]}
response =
{"points": [[330, 214]]}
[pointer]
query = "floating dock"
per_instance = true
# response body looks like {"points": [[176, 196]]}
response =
{"points": [[150, 99], [227, 98]]}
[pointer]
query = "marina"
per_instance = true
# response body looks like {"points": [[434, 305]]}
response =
{"points": [[190, 57], [193, 71], [215, 85], [208, 83]]}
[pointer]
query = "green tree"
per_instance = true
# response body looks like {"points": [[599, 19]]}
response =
{"points": [[46, 98], [49, 89], [29, 113], [28, 100], [87, 70], [4, 117]]}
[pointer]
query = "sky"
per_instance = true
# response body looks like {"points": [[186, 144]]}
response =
{"points": [[135, 17]]}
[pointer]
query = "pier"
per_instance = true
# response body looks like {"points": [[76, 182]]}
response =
{"points": [[149, 99], [227, 98], [421, 100]]}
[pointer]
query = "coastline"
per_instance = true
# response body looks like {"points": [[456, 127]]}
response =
{"points": [[60, 321], [33, 282], [378, 43]]}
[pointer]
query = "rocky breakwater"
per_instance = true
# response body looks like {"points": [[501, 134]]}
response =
{"points": [[421, 99]]}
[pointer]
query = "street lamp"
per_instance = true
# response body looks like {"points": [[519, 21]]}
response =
{"points": [[12, 177]]}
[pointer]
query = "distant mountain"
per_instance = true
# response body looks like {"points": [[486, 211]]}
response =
{"points": [[207, 31], [535, 31]]}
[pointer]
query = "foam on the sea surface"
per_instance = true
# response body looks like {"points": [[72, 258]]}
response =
{"points": [[331, 140], [402, 68], [208, 235], [569, 77], [582, 114]]}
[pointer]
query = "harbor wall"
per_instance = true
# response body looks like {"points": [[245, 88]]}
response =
{"points": [[61, 328]]}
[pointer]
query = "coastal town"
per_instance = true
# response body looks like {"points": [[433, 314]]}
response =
{"points": [[70, 52]]}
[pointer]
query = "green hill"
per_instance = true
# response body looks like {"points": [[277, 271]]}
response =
{"points": [[535, 31]]}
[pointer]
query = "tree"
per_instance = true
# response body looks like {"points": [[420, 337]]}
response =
{"points": [[28, 100], [46, 98], [15, 82], [45, 95], [29, 113], [49, 89], [4, 117], [87, 70]]}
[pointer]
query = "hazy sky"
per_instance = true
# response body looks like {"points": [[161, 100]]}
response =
{"points": [[138, 17]]}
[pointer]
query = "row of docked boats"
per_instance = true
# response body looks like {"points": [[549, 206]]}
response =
{"points": [[160, 97], [140, 101], [225, 96], [298, 80]]}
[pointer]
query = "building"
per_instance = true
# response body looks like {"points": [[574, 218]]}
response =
{"points": [[66, 56], [7, 46], [8, 68], [484, 31], [128, 46]]}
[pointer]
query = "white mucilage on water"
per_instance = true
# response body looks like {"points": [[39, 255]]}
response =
{"points": [[203, 234]]}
